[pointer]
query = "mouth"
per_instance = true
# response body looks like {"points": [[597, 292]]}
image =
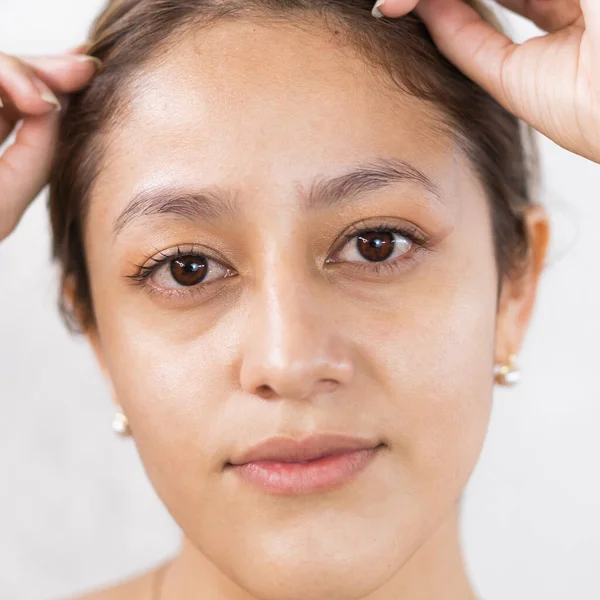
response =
{"points": [[286, 449], [284, 467]]}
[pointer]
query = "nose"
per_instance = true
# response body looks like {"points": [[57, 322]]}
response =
{"points": [[294, 347]]}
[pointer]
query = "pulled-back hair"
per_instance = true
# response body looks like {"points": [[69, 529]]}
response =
{"points": [[129, 34]]}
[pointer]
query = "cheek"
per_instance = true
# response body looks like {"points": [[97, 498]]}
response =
{"points": [[435, 359], [175, 389], [167, 386]]}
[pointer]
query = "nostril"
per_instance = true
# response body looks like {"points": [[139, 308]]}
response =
{"points": [[265, 391]]}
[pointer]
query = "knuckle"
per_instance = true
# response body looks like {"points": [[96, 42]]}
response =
{"points": [[8, 62]]}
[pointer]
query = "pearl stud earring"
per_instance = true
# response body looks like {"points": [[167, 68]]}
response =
{"points": [[120, 424], [508, 374]]}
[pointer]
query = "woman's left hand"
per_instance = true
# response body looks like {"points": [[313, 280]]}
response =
{"points": [[552, 81]]}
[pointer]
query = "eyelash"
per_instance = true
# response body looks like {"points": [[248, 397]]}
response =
{"points": [[411, 233]]}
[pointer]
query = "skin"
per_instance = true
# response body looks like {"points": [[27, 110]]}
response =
{"points": [[424, 553], [550, 81], [291, 344]]}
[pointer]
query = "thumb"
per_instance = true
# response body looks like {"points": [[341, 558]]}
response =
{"points": [[25, 167], [475, 46], [393, 8]]}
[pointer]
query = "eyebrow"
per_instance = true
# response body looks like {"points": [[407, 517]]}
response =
{"points": [[215, 203]]}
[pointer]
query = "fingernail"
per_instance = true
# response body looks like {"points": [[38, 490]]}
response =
{"points": [[47, 96], [50, 98], [86, 58], [376, 12], [1, 103]]}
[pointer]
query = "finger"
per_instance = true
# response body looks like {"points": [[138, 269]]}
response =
{"points": [[10, 115], [25, 167], [25, 90], [549, 16], [393, 8], [477, 48], [64, 73]]}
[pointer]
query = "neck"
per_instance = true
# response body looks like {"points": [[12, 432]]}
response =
{"points": [[435, 571]]}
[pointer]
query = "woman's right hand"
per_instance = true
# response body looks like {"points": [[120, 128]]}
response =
{"points": [[30, 90]]}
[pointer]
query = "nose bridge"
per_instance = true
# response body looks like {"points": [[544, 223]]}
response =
{"points": [[295, 319], [292, 346]]}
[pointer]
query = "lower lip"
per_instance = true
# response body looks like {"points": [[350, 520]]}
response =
{"points": [[291, 478]]}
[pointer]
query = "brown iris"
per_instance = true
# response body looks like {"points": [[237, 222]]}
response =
{"points": [[189, 270], [376, 245]]}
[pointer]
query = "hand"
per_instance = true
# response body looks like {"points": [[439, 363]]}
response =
{"points": [[552, 81], [28, 88]]}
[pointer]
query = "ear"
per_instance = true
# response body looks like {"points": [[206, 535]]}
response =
{"points": [[519, 293], [93, 338], [90, 332]]}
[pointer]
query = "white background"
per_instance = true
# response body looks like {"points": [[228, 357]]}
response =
{"points": [[77, 511]]}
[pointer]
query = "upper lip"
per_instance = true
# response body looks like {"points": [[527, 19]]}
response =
{"points": [[286, 449]]}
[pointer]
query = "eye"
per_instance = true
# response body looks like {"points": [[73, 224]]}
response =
{"points": [[178, 270], [187, 270], [376, 246]]}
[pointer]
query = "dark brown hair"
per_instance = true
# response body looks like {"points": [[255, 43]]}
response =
{"points": [[130, 34]]}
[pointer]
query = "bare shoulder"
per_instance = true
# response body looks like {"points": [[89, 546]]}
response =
{"points": [[135, 588]]}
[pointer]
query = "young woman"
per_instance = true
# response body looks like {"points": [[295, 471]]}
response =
{"points": [[304, 246]]}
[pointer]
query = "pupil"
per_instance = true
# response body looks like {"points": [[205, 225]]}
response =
{"points": [[189, 270], [376, 245]]}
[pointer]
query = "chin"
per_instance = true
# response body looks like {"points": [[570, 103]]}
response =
{"points": [[330, 580], [309, 568]]}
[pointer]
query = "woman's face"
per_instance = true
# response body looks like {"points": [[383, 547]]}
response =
{"points": [[263, 152]]}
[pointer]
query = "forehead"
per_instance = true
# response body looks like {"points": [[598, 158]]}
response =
{"points": [[250, 105]]}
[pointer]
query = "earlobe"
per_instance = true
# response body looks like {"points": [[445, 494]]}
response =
{"points": [[538, 226], [519, 292]]}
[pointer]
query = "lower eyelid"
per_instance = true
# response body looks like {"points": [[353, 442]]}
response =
{"points": [[183, 294], [382, 268]]}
